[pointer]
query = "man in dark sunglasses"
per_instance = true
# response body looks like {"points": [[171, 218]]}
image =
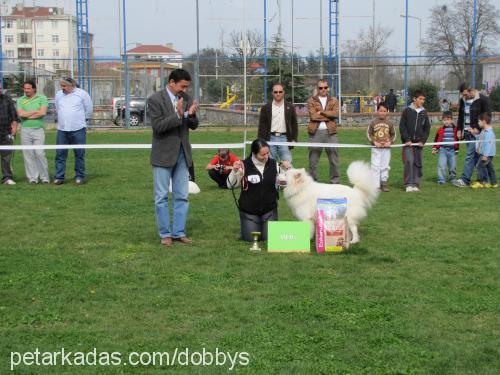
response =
{"points": [[322, 128], [278, 123]]}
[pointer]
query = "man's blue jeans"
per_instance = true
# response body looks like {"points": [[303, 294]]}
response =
{"points": [[77, 137], [280, 153], [179, 176], [470, 158], [447, 162]]}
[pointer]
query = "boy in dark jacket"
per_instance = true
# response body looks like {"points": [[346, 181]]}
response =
{"points": [[447, 158], [414, 128]]}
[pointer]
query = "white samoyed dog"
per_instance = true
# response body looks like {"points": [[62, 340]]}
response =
{"points": [[302, 192]]}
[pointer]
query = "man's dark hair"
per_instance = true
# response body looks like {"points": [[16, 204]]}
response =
{"points": [[258, 145], [447, 114], [382, 104], [391, 90], [30, 82], [418, 93], [179, 75], [463, 86], [485, 117]]}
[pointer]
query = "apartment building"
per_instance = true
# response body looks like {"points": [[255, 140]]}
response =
{"points": [[41, 37]]}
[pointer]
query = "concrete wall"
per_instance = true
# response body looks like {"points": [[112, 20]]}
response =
{"points": [[224, 117]]}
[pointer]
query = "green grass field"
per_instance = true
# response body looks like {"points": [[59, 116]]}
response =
{"points": [[82, 268]]}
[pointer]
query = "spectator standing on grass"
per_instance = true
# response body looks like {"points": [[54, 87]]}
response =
{"points": [[445, 105], [391, 100], [381, 134], [278, 123], [74, 107], [31, 108], [8, 129], [172, 113], [414, 128], [486, 150], [472, 104], [447, 153], [322, 128], [220, 166]]}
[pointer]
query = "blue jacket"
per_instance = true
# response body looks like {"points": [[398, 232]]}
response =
{"points": [[487, 143]]}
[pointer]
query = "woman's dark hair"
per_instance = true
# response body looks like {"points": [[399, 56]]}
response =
{"points": [[257, 145]]}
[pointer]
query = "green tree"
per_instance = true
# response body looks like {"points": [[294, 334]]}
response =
{"points": [[495, 99], [431, 95]]}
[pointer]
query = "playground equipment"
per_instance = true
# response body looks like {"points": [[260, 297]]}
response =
{"points": [[230, 98]]}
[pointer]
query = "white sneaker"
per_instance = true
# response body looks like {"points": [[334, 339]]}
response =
{"points": [[9, 181], [409, 189], [416, 188]]}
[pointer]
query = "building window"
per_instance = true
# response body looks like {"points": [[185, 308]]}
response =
{"points": [[9, 53], [41, 66], [55, 38], [57, 66], [9, 24], [54, 24], [23, 38], [23, 24], [40, 38], [39, 24], [39, 53], [55, 53], [9, 38]]}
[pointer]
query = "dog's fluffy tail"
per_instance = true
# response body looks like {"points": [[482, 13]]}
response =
{"points": [[361, 176]]}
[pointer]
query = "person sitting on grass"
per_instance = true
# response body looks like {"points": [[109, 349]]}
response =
{"points": [[447, 157], [485, 150], [221, 165], [258, 202]]}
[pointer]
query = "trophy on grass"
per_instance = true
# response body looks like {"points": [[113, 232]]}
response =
{"points": [[255, 245]]}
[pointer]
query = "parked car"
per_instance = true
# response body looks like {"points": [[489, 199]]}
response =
{"points": [[137, 111], [51, 115]]}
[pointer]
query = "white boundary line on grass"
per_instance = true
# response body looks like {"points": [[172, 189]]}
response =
{"points": [[209, 146]]}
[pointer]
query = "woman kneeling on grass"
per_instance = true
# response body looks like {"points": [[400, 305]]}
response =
{"points": [[258, 201]]}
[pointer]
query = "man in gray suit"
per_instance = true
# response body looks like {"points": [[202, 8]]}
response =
{"points": [[172, 114]]}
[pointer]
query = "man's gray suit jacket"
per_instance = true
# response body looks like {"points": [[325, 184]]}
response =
{"points": [[169, 131]]}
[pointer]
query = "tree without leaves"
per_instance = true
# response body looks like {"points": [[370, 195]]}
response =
{"points": [[369, 42], [450, 36]]}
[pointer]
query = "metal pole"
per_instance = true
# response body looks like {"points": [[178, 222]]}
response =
{"points": [[293, 85], [1, 51], [339, 65], [321, 51], [265, 51], [372, 75], [125, 63], [197, 64], [244, 39], [406, 57], [474, 35]]}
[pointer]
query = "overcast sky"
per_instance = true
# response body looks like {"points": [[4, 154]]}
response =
{"points": [[164, 21]]}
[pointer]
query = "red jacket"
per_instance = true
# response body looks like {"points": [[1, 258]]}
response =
{"points": [[439, 137]]}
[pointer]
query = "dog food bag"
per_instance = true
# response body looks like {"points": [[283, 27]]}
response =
{"points": [[331, 225]]}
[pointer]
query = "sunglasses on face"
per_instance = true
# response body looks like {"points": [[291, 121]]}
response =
{"points": [[323, 88], [277, 92]]}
